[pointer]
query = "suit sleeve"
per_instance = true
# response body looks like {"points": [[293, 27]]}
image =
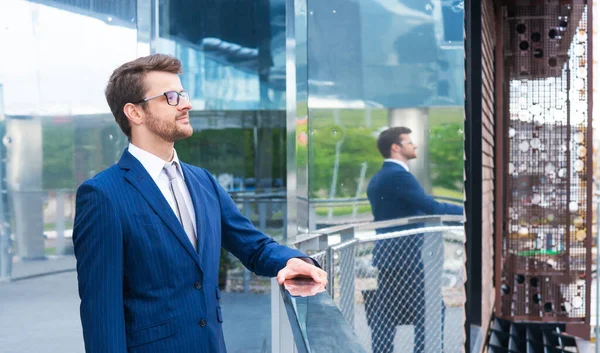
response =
{"points": [[98, 245], [411, 192], [258, 252]]}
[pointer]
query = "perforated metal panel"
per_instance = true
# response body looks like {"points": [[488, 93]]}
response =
{"points": [[546, 240]]}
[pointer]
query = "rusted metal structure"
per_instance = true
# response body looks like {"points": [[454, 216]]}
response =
{"points": [[543, 227]]}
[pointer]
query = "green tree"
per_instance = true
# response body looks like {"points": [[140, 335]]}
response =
{"points": [[358, 145], [57, 160], [446, 143]]}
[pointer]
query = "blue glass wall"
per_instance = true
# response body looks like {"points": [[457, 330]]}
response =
{"points": [[233, 51], [389, 54], [57, 131], [362, 67]]}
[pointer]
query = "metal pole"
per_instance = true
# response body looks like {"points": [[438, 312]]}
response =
{"points": [[60, 222], [329, 268], [262, 214], [6, 251], [347, 285], [336, 165], [246, 272], [363, 172]]}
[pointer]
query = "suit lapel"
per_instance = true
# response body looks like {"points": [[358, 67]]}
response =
{"points": [[142, 181], [198, 200]]}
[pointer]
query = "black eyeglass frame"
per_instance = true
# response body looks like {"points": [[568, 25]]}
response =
{"points": [[183, 94]]}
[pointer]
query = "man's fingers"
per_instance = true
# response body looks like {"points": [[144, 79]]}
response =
{"points": [[300, 268], [281, 276], [286, 273], [319, 276]]}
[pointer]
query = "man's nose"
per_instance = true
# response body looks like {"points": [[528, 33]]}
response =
{"points": [[184, 105]]}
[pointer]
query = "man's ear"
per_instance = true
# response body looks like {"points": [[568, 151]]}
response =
{"points": [[134, 113]]}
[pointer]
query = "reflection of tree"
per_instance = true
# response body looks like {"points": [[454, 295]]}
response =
{"points": [[359, 146], [57, 159], [219, 151], [445, 149], [446, 155], [231, 151], [75, 151]]}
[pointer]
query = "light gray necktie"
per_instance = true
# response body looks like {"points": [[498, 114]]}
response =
{"points": [[182, 211]]}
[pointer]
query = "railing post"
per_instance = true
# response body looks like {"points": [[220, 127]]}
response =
{"points": [[347, 286], [282, 337], [262, 213], [312, 216], [329, 268], [347, 275], [432, 255]]}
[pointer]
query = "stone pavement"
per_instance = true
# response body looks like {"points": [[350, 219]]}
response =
{"points": [[41, 314], [52, 265]]}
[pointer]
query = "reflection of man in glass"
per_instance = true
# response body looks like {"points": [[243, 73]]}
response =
{"points": [[394, 193], [148, 231]]}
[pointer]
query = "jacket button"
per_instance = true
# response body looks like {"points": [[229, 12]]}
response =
{"points": [[198, 285], [202, 323]]}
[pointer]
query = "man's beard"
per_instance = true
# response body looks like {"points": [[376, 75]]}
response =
{"points": [[169, 131]]}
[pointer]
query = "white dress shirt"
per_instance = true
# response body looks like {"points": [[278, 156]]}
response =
{"points": [[154, 166], [397, 162]]}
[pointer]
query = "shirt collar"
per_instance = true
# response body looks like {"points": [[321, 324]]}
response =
{"points": [[153, 164], [397, 162]]}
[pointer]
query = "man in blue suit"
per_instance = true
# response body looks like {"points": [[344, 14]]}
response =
{"points": [[395, 193], [148, 231]]}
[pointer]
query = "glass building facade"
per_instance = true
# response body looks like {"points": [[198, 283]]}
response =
{"points": [[288, 99]]}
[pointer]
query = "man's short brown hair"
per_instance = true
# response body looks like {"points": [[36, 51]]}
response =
{"points": [[126, 84], [389, 137]]}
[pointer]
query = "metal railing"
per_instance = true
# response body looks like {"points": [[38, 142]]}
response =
{"points": [[311, 314], [316, 206], [412, 275]]}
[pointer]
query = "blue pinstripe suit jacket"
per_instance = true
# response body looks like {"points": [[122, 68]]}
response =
{"points": [[143, 287]]}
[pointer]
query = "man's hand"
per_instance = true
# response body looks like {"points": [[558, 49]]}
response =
{"points": [[300, 287], [299, 268]]}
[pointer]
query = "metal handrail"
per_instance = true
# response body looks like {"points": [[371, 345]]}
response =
{"points": [[351, 227], [404, 233], [411, 220], [365, 200]]}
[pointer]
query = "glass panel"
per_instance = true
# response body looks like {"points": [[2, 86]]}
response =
{"points": [[302, 124], [233, 56], [373, 66], [233, 52], [57, 131]]}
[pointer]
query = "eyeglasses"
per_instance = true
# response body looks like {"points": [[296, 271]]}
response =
{"points": [[172, 97]]}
